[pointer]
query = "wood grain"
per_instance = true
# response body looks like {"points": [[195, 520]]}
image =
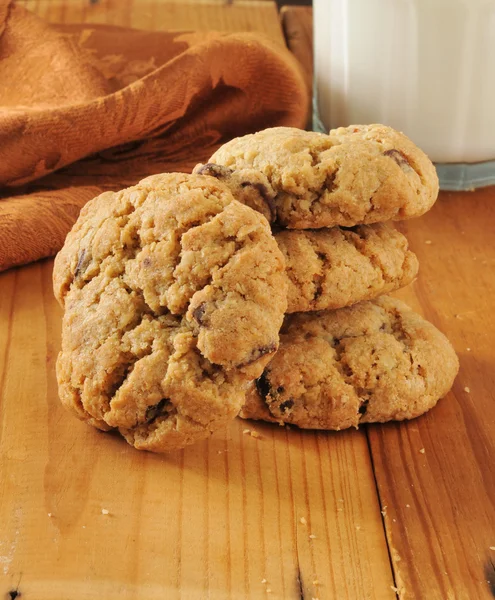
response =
{"points": [[229, 518], [297, 23], [439, 504], [443, 500], [153, 15]]}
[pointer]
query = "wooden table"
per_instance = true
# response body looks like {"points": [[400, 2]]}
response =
{"points": [[398, 509]]}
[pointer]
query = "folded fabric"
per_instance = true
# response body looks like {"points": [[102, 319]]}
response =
{"points": [[87, 108]]}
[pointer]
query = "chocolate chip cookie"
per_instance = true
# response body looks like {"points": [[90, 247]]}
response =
{"points": [[373, 362], [174, 294], [354, 175], [337, 267]]}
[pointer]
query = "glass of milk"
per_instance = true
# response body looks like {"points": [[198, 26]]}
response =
{"points": [[424, 67]]}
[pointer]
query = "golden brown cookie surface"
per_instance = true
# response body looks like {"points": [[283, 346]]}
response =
{"points": [[336, 267], [354, 175], [173, 295], [373, 362]]}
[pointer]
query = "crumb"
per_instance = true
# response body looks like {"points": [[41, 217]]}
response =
{"points": [[268, 591], [384, 513], [313, 598], [340, 500], [254, 434], [104, 511], [394, 520], [492, 547], [396, 590], [467, 390], [457, 316], [468, 349], [316, 582], [263, 581], [340, 509], [422, 450], [50, 515], [408, 506], [428, 242], [312, 536], [303, 520], [358, 527]]}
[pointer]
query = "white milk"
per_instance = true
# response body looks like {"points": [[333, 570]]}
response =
{"points": [[425, 67]]}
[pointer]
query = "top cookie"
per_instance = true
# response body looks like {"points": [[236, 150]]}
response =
{"points": [[354, 175], [174, 294], [372, 362]]}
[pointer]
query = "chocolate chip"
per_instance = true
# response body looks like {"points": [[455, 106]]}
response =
{"points": [[263, 385], [400, 158], [364, 407], [265, 194], [14, 594], [155, 411], [80, 267], [258, 353], [198, 313], [286, 405], [347, 370], [214, 170], [260, 188]]}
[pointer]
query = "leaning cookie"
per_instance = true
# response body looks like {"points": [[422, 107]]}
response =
{"points": [[174, 294], [373, 362], [249, 186], [354, 175], [336, 267]]}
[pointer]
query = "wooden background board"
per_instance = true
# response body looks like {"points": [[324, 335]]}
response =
{"points": [[222, 519], [436, 475], [153, 15]]}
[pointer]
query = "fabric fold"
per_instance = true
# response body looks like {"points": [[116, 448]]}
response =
{"points": [[98, 107]]}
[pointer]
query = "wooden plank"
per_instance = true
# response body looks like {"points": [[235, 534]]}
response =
{"points": [[155, 15], [443, 500], [228, 518], [297, 23], [439, 504], [223, 3]]}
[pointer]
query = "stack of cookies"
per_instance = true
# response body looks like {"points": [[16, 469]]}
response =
{"points": [[254, 285], [349, 354]]}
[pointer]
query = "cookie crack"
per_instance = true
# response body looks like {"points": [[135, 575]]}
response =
{"points": [[123, 373], [318, 278], [124, 252], [201, 284], [359, 242]]}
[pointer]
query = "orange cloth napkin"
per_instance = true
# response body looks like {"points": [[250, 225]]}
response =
{"points": [[88, 108]]}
